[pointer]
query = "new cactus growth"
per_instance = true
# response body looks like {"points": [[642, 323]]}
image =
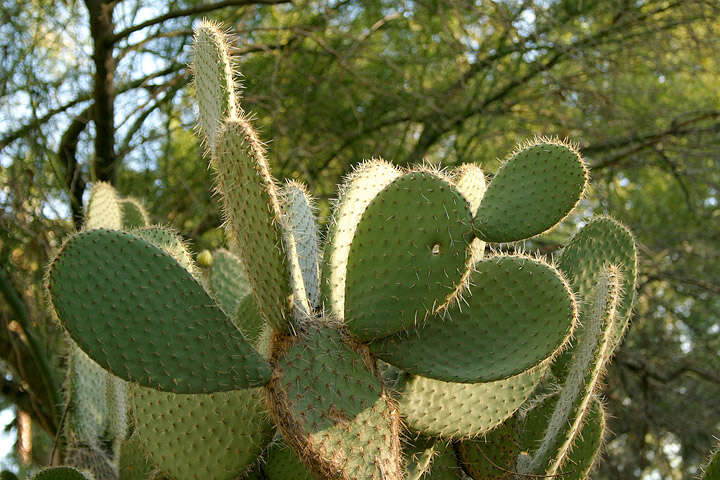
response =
{"points": [[404, 321]]}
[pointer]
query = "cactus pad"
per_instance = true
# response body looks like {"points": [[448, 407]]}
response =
{"points": [[518, 313], [228, 282], [493, 456], [282, 463], [133, 214], [214, 81], [88, 415], [133, 324], [253, 214], [332, 409], [463, 410], [359, 189], [103, 210], [133, 461], [535, 189], [470, 182], [407, 256], [214, 436]]}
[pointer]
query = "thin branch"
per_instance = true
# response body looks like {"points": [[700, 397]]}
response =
{"points": [[192, 11]]}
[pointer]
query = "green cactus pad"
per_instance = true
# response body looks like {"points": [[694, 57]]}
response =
{"points": [[584, 449], [354, 195], [332, 409], [170, 242], [518, 313], [59, 473], [470, 182], [214, 436], [444, 465], [712, 470], [103, 210], [602, 242], [133, 462], [493, 456], [248, 320], [93, 462], [463, 410], [172, 336], [133, 214], [254, 217], [88, 414], [535, 189], [408, 255], [282, 463], [214, 81], [427, 459], [302, 238], [228, 282]]}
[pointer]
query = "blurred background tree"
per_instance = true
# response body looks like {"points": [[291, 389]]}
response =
{"points": [[99, 90]]}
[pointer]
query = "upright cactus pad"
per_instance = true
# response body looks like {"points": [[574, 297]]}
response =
{"points": [[407, 256], [103, 208], [470, 182], [491, 457], [332, 409], [175, 338], [535, 189], [88, 415], [214, 80], [518, 313], [228, 282], [282, 463], [133, 214], [253, 216]]}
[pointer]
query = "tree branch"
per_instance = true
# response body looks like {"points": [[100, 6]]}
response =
{"points": [[67, 152], [191, 11]]}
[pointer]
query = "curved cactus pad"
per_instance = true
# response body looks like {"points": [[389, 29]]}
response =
{"points": [[531, 192], [408, 255], [583, 451], [135, 311], [282, 463], [463, 410], [215, 436], [493, 456], [519, 313], [103, 209], [332, 409], [59, 473], [602, 242]]}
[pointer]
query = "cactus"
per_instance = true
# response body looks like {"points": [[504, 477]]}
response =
{"points": [[404, 329]]}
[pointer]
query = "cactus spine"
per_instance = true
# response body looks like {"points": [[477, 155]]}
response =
{"points": [[404, 321]]}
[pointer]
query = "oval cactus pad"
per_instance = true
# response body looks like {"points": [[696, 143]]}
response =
{"points": [[139, 314], [531, 192], [518, 313], [407, 256]]}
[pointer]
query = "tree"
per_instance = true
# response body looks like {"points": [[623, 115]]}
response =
{"points": [[96, 91]]}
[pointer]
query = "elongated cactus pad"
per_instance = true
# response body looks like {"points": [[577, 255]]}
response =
{"points": [[463, 410], [602, 242], [535, 189], [356, 193], [59, 473], [584, 374], [214, 81], [228, 281], [253, 216], [88, 414], [148, 321], [491, 457], [518, 313], [407, 256], [213, 436], [282, 463], [584, 449], [118, 407], [103, 210], [133, 214], [300, 220], [332, 409]]}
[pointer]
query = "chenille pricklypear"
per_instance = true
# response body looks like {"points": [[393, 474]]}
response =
{"points": [[404, 347]]}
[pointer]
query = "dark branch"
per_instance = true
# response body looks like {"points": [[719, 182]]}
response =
{"points": [[192, 11]]}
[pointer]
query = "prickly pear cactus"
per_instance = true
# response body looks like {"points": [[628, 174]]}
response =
{"points": [[410, 349]]}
